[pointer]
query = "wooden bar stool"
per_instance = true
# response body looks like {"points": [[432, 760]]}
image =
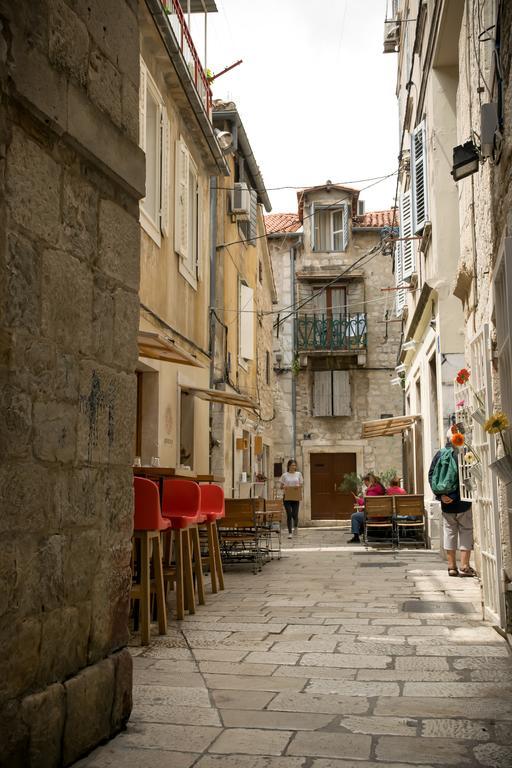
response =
{"points": [[212, 508], [148, 525], [180, 505]]}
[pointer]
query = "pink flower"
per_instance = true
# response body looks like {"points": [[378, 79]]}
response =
{"points": [[460, 404]]}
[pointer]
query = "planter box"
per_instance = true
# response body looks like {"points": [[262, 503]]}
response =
{"points": [[503, 468]]}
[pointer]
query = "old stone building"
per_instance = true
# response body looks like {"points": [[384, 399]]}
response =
{"points": [[71, 177], [455, 266], [334, 351], [241, 299]]}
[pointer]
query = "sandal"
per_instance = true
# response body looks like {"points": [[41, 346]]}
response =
{"points": [[453, 572], [467, 571]]}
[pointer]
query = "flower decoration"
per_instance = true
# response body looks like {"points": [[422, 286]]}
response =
{"points": [[457, 439], [462, 376], [454, 429], [498, 422], [460, 404]]}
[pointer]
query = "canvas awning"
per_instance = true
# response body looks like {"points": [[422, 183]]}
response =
{"points": [[221, 396], [158, 347], [388, 427]]}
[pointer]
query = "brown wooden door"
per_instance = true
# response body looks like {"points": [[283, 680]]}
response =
{"points": [[327, 472]]}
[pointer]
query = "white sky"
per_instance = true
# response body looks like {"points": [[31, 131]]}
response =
{"points": [[315, 92]]}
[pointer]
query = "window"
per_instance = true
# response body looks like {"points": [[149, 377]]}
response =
{"points": [[419, 177], [246, 304], [503, 304], [248, 228], [329, 228], [332, 302], [186, 219], [154, 141], [331, 393], [186, 443], [404, 251]]}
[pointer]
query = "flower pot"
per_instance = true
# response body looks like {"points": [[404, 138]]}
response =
{"points": [[479, 416], [503, 468]]}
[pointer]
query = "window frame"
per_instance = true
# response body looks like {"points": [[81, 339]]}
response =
{"points": [[187, 236], [331, 211]]}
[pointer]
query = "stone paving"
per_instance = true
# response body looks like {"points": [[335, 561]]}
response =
{"points": [[314, 663]]}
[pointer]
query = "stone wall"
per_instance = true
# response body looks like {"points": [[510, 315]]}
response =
{"points": [[71, 175]]}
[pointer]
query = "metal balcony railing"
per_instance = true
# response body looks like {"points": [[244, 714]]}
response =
{"points": [[337, 332], [178, 24]]}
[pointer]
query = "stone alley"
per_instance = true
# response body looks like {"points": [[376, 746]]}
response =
{"points": [[332, 657]]}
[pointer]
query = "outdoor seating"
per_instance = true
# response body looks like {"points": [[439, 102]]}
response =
{"points": [[378, 517], [410, 519], [241, 532], [274, 511], [148, 526], [212, 508], [180, 504]]}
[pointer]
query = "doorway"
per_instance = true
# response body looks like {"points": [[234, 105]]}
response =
{"points": [[327, 472]]}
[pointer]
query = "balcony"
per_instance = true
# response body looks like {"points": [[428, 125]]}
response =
{"points": [[331, 333], [178, 24]]}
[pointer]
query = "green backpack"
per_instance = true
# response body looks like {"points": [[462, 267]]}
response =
{"points": [[445, 478]]}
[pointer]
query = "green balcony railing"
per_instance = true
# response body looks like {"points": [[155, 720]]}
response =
{"points": [[337, 332]]}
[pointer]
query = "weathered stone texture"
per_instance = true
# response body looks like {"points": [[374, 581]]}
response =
{"points": [[71, 176]]}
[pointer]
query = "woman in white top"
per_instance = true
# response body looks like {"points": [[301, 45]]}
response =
{"points": [[292, 478]]}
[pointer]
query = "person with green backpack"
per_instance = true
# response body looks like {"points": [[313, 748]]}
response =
{"points": [[443, 477]]}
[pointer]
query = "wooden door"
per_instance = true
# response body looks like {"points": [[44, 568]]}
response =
{"points": [[327, 472]]}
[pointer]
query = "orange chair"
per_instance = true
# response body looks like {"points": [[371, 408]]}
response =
{"points": [[148, 525], [212, 508], [180, 504]]}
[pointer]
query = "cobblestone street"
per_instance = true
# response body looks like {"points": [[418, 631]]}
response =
{"points": [[332, 657]]}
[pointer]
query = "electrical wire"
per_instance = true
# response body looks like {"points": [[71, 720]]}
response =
{"points": [[312, 186]]}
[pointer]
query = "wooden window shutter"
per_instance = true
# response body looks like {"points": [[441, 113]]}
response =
{"points": [[246, 322], [341, 402], [312, 225], [322, 393], [165, 175], [142, 105], [253, 217], [419, 177], [408, 261], [181, 200], [345, 226]]}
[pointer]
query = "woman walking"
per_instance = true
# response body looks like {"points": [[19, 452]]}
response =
{"points": [[291, 479]]}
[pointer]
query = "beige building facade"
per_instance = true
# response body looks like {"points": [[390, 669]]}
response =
{"points": [[456, 305], [334, 351]]}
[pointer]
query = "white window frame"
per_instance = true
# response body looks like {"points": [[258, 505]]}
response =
{"points": [[419, 180], [155, 226], [317, 208], [187, 219]]}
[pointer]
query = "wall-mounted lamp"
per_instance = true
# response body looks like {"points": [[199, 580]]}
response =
{"points": [[224, 139], [466, 159], [408, 346]]}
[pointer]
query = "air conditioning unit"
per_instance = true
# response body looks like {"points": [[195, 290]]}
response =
{"points": [[391, 36], [241, 200]]}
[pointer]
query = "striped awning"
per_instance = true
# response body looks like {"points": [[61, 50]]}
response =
{"points": [[388, 427]]}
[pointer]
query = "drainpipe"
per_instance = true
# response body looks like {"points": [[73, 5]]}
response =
{"points": [[294, 351], [213, 270]]}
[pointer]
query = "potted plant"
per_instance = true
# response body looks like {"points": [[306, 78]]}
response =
{"points": [[498, 423], [351, 483]]}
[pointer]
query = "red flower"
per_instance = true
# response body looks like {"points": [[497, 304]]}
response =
{"points": [[462, 376], [454, 428], [458, 439]]}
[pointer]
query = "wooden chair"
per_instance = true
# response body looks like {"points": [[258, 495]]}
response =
{"points": [[240, 532], [378, 515], [410, 517], [274, 510]]}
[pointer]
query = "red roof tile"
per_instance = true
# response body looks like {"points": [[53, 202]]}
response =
{"points": [[377, 219], [282, 222]]}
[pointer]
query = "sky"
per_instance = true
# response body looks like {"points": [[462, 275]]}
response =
{"points": [[315, 93]]}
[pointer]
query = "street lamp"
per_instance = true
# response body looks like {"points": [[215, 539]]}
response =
{"points": [[466, 159]]}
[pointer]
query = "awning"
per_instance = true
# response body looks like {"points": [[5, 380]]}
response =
{"points": [[158, 347], [388, 427], [221, 396]]}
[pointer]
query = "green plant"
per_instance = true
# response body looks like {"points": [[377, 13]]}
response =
{"points": [[351, 483], [387, 476], [296, 366]]}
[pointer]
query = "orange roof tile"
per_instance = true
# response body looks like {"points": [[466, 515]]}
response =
{"points": [[377, 219], [282, 222]]}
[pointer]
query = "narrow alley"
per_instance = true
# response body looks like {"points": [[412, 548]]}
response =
{"points": [[332, 657]]}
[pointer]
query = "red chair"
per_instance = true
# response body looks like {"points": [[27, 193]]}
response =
{"points": [[212, 509], [148, 525], [180, 505]]}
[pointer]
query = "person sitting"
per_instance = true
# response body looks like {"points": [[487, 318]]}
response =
{"points": [[395, 489], [373, 487]]}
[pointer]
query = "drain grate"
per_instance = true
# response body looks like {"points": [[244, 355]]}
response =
{"points": [[430, 606], [382, 564]]}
